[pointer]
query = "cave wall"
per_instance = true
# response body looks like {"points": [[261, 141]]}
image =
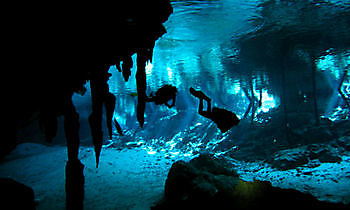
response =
{"points": [[55, 49]]}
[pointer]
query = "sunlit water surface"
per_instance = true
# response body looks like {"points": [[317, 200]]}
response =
{"points": [[205, 48]]}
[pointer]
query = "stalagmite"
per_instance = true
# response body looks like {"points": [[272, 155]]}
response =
{"points": [[74, 168]]}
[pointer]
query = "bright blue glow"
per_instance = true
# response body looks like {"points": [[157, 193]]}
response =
{"points": [[206, 57], [328, 63], [202, 49], [149, 67], [334, 66], [170, 73], [268, 101], [151, 152]]}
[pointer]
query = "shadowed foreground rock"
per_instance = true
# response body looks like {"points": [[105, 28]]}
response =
{"points": [[14, 195], [208, 183]]}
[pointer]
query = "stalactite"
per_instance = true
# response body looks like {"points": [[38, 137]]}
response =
{"points": [[250, 103], [127, 65], [95, 120], [141, 86], [71, 128], [134, 30], [74, 168], [100, 95]]}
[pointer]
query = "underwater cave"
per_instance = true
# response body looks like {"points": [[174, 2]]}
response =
{"points": [[84, 129]]}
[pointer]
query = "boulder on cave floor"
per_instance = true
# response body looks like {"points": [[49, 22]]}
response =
{"points": [[15, 195], [299, 156], [209, 183]]}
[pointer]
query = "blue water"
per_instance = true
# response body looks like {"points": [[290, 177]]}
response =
{"points": [[207, 47]]}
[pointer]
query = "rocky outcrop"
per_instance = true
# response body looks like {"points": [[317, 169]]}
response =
{"points": [[209, 183], [290, 158], [344, 142], [14, 195], [201, 178], [299, 156]]}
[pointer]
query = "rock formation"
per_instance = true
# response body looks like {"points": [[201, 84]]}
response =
{"points": [[209, 183], [57, 49]]}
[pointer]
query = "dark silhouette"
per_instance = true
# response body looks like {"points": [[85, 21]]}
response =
{"points": [[141, 84], [164, 95], [15, 195], [260, 100], [223, 118], [126, 66], [100, 96], [112, 37], [117, 126], [74, 185]]}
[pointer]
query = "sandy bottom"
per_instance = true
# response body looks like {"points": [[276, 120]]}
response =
{"points": [[135, 178], [127, 179], [326, 181]]}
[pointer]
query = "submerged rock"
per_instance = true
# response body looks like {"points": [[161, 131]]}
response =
{"points": [[14, 195], [290, 158], [296, 157], [344, 142], [209, 183], [200, 180], [326, 155], [202, 177]]}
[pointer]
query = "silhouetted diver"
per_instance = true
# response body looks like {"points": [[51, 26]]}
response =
{"points": [[223, 118], [163, 95]]}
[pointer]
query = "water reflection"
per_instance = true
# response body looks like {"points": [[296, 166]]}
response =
{"points": [[279, 74]]}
